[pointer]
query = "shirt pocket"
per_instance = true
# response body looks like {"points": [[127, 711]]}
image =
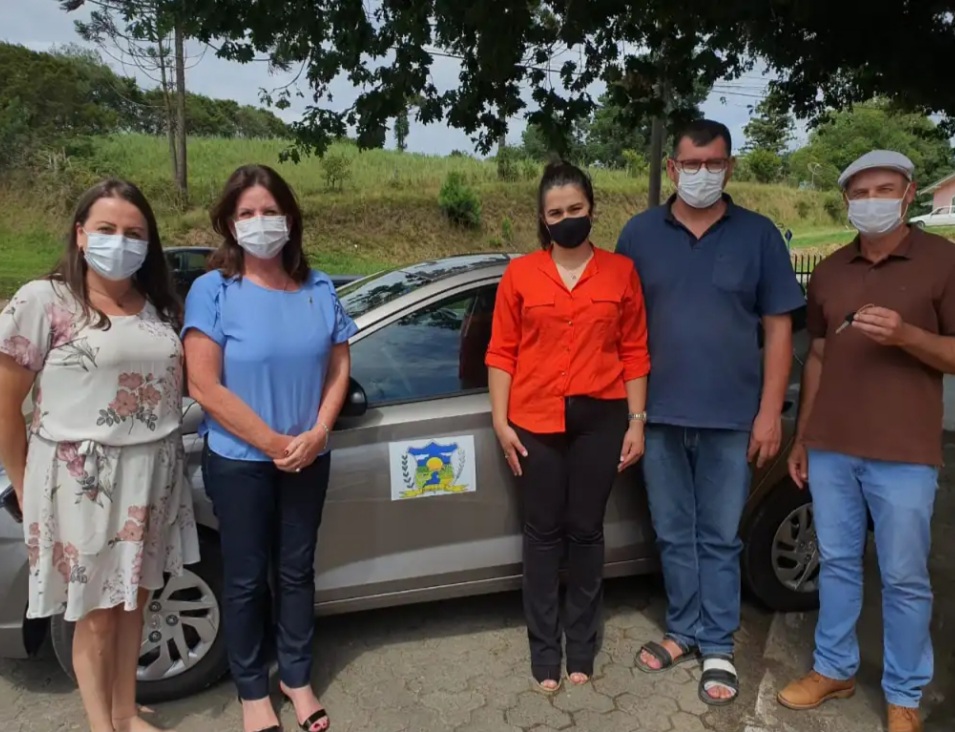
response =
{"points": [[603, 316], [539, 313], [733, 272]]}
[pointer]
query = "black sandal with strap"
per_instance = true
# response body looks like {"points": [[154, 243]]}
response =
{"points": [[718, 670], [667, 662], [311, 724]]}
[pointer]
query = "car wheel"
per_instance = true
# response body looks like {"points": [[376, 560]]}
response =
{"points": [[183, 648], [781, 555], [920, 224]]}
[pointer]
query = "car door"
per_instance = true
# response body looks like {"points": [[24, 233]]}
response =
{"points": [[420, 503], [391, 532]]}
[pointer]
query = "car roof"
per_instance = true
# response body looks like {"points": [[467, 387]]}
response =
{"points": [[434, 270], [380, 295], [203, 250]]}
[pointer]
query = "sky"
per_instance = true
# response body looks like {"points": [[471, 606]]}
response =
{"points": [[42, 24]]}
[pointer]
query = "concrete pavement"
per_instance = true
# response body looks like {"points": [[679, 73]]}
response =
{"points": [[462, 666]]}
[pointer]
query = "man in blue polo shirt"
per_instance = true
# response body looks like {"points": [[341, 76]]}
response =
{"points": [[712, 272]]}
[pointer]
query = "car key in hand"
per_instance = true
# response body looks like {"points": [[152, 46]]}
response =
{"points": [[850, 317]]}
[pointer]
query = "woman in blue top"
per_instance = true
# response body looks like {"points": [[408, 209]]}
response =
{"points": [[266, 343]]}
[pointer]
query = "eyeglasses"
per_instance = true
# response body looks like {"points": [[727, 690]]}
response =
{"points": [[716, 165]]}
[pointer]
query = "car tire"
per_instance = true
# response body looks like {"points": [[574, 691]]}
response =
{"points": [[920, 224], [201, 585], [780, 554]]}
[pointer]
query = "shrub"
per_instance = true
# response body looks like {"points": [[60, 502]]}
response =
{"points": [[459, 202], [531, 169], [507, 231], [765, 165], [337, 170], [508, 164], [835, 207], [803, 208], [636, 163]]}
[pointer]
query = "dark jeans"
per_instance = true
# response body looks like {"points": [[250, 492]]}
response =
{"points": [[268, 521], [566, 483], [697, 484]]}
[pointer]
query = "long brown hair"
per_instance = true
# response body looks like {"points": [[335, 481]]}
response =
{"points": [[229, 258], [153, 279]]}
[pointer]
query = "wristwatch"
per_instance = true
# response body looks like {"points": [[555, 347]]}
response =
{"points": [[637, 417]]}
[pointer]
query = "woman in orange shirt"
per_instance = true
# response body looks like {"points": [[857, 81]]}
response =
{"points": [[567, 368]]}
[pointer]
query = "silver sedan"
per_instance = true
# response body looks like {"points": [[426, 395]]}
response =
{"points": [[421, 506]]}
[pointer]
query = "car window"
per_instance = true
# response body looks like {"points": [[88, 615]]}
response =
{"points": [[192, 260], [376, 290], [433, 352], [939, 210]]}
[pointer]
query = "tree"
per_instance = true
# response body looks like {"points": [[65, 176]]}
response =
{"points": [[846, 135], [402, 129], [762, 165], [149, 34], [389, 51], [771, 128], [605, 137], [53, 102]]}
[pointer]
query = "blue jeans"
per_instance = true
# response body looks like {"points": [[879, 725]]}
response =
{"points": [[697, 485], [268, 525], [900, 497]]}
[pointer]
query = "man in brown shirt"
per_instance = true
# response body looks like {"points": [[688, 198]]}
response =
{"points": [[881, 312]]}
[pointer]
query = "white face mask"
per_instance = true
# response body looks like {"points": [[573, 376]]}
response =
{"points": [[262, 236], [701, 189], [875, 216], [114, 256]]}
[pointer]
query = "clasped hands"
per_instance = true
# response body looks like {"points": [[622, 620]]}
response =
{"points": [[293, 454]]}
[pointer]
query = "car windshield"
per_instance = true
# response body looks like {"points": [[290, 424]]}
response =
{"points": [[368, 293]]}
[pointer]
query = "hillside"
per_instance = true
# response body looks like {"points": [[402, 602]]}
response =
{"points": [[386, 212]]}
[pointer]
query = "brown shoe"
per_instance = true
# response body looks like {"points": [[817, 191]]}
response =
{"points": [[904, 719], [812, 690]]}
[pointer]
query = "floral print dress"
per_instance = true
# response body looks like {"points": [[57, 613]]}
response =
{"points": [[107, 507]]}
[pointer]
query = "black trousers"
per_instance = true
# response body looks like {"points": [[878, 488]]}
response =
{"points": [[567, 478], [268, 525]]}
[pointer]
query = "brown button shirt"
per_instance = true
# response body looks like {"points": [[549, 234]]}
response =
{"points": [[876, 401]]}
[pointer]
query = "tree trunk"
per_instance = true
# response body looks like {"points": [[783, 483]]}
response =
{"points": [[168, 111], [181, 170]]}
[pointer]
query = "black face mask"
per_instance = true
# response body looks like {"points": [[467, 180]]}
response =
{"points": [[570, 233]]}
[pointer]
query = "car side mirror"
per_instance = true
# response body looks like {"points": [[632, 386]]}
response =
{"points": [[356, 401]]}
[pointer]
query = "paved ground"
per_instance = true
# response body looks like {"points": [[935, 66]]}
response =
{"points": [[462, 666]]}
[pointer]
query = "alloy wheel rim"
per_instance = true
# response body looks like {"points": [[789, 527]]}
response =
{"points": [[795, 551], [182, 622]]}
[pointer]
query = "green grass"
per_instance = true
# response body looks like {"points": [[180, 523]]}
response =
{"points": [[828, 238], [386, 214]]}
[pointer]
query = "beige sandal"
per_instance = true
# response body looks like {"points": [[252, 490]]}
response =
{"points": [[545, 689]]}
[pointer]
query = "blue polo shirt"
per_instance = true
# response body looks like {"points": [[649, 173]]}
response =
{"points": [[704, 300]]}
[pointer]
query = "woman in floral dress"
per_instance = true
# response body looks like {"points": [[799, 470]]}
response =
{"points": [[99, 473]]}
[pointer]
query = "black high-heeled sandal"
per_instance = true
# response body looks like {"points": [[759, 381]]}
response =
{"points": [[309, 725], [273, 728]]}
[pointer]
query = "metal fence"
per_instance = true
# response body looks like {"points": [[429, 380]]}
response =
{"points": [[803, 265]]}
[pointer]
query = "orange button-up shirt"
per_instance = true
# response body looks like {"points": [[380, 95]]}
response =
{"points": [[558, 343]]}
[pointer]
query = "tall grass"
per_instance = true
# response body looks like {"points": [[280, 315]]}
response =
{"points": [[386, 213]]}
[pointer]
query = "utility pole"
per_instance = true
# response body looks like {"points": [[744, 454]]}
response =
{"points": [[657, 137], [657, 133], [182, 177]]}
